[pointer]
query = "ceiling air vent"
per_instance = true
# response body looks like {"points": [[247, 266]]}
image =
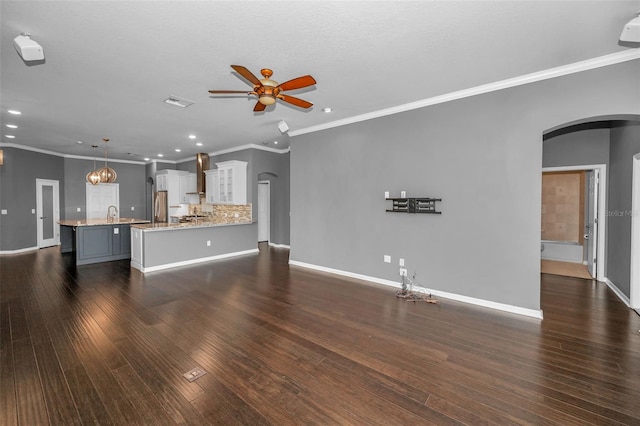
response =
{"points": [[174, 100]]}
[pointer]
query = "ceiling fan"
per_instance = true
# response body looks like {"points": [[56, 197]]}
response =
{"points": [[268, 91]]}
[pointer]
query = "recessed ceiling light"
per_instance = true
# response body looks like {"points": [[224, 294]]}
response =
{"points": [[178, 150], [275, 142], [192, 136], [199, 143], [79, 142], [146, 158], [10, 136], [160, 155], [327, 109], [12, 126], [14, 112]]}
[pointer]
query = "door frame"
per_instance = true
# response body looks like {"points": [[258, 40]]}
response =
{"points": [[56, 212], [634, 278], [601, 214], [268, 210]]}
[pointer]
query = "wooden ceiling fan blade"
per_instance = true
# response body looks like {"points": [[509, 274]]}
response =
{"points": [[222, 92], [259, 107], [295, 101], [298, 83], [247, 74]]}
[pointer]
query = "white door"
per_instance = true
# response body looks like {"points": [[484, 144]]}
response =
{"points": [[591, 227], [264, 207], [635, 235], [100, 197], [47, 212]]}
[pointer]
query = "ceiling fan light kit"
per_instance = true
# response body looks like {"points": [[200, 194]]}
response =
{"points": [[269, 91]]}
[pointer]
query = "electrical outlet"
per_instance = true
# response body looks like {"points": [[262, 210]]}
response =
{"points": [[387, 258], [401, 262], [78, 209], [403, 194], [116, 230], [208, 243], [386, 194], [33, 211], [133, 208], [403, 272]]}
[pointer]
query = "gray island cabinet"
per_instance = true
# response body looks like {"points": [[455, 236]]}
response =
{"points": [[158, 246], [97, 240]]}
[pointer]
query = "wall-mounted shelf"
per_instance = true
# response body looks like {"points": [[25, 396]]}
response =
{"points": [[414, 205]]}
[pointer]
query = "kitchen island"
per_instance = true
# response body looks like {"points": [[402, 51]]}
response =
{"points": [[97, 240], [158, 246]]}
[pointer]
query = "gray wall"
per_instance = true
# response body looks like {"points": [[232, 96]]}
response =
{"points": [[482, 155], [18, 194], [576, 148], [625, 143], [131, 180], [271, 166]]}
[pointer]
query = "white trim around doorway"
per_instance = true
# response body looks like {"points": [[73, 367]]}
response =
{"points": [[634, 278], [602, 195]]}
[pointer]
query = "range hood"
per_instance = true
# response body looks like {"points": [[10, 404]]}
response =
{"points": [[202, 164]]}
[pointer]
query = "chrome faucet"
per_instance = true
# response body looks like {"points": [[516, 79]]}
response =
{"points": [[111, 217]]}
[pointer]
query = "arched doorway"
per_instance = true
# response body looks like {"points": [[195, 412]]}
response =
{"points": [[613, 144]]}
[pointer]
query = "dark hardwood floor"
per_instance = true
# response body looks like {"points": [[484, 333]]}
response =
{"points": [[103, 344]]}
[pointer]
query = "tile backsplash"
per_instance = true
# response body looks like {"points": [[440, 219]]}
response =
{"points": [[222, 213]]}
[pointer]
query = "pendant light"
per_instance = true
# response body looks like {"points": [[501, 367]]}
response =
{"points": [[93, 177], [107, 174]]}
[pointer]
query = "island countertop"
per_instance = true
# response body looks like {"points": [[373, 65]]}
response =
{"points": [[96, 222], [163, 226]]}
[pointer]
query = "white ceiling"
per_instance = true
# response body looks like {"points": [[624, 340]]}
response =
{"points": [[110, 64]]}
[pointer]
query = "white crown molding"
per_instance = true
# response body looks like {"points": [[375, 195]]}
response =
{"points": [[240, 148], [57, 154], [115, 160], [533, 313], [589, 64]]}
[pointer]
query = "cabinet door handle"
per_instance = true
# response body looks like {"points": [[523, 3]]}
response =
{"points": [[43, 217]]}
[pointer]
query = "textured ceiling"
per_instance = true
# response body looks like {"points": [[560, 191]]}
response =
{"points": [[110, 64]]}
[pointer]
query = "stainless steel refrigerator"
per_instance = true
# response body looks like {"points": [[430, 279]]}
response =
{"points": [[160, 206]]}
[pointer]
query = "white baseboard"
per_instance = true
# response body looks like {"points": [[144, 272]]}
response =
{"points": [[618, 292], [452, 296], [144, 270], [280, 245], [18, 251]]}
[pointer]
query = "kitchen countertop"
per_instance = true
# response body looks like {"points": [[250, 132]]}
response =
{"points": [[95, 222], [163, 226]]}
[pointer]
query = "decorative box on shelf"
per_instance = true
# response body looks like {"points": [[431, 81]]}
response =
{"points": [[414, 205]]}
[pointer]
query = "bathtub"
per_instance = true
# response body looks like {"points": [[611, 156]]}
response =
{"points": [[564, 251]]}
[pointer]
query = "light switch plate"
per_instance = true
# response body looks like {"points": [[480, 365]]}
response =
{"points": [[3, 211], [133, 208], [387, 258], [116, 230], [33, 211], [78, 209]]}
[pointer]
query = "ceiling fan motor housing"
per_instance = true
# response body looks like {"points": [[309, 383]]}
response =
{"points": [[268, 92]]}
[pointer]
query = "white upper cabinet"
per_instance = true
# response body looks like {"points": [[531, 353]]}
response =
{"points": [[211, 178], [169, 180], [188, 185], [231, 187]]}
